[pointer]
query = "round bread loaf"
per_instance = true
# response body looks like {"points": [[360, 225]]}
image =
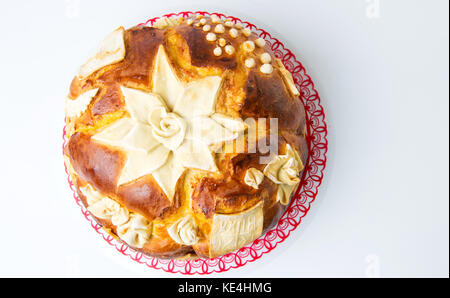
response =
{"points": [[185, 139]]}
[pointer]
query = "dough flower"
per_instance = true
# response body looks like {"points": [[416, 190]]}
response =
{"points": [[253, 177], [136, 231], [284, 170], [170, 129], [184, 231]]}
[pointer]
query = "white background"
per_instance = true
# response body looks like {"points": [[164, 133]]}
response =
{"points": [[383, 79]]}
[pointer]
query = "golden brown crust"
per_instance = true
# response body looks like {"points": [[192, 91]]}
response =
{"points": [[144, 196], [201, 51], [94, 163], [109, 101], [141, 46], [267, 96], [244, 93]]}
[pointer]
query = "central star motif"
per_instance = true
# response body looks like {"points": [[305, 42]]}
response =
{"points": [[171, 129]]}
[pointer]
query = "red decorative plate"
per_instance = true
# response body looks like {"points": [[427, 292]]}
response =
{"points": [[300, 203]]}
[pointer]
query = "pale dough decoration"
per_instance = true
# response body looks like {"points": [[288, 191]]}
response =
{"points": [[236, 125], [253, 177], [184, 231], [248, 46], [229, 49], [229, 24], [217, 51], [284, 192], [250, 62], [219, 28], [234, 33], [120, 217], [76, 107], [232, 231], [265, 58], [103, 207], [111, 50], [246, 31], [99, 205], [164, 22], [136, 231], [222, 42], [132, 228], [284, 170], [266, 68], [92, 196], [260, 42], [211, 36], [287, 77], [215, 19], [170, 129]]}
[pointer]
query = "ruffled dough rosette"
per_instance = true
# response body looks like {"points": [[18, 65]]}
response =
{"points": [[284, 170], [132, 228], [184, 231]]}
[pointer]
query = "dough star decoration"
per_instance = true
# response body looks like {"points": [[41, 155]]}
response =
{"points": [[171, 129]]}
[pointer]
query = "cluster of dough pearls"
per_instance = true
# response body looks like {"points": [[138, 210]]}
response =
{"points": [[229, 29]]}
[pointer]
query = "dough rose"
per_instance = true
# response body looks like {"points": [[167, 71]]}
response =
{"points": [[184, 231]]}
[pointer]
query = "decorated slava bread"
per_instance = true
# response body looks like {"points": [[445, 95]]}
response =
{"points": [[185, 139]]}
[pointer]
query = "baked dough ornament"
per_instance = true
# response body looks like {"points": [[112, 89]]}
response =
{"points": [[74, 108], [232, 231], [184, 231], [284, 170], [146, 117], [136, 231], [253, 177], [132, 228], [169, 129], [110, 50]]}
